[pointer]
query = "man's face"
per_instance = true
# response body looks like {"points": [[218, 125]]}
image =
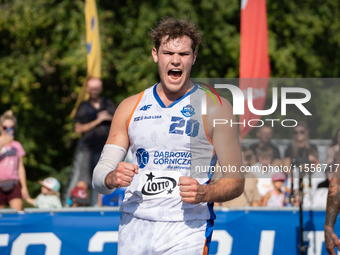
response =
{"points": [[175, 59], [265, 134], [94, 88]]}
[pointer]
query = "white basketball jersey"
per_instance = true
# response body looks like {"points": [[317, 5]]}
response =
{"points": [[165, 141]]}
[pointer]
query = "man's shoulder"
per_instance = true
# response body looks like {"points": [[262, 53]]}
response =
{"points": [[83, 104], [128, 105]]}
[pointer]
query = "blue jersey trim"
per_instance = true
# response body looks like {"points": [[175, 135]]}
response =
{"points": [[160, 102], [208, 233], [212, 163], [211, 210]]}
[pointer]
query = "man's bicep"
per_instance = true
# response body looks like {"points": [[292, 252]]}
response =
{"points": [[225, 138], [119, 126]]}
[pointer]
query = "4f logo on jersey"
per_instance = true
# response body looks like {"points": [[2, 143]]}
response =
{"points": [[157, 185], [145, 107], [188, 111]]}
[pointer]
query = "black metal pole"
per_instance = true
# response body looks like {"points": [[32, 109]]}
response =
{"points": [[302, 247]]}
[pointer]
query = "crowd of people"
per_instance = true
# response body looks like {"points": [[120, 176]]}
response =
{"points": [[267, 184], [263, 187]]}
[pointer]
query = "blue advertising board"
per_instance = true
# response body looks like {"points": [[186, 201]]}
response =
{"points": [[96, 232]]}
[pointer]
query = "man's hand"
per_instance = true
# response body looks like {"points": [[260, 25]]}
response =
{"points": [[331, 240], [104, 116], [122, 176], [191, 191]]}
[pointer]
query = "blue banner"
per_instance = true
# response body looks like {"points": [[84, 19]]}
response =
{"points": [[96, 232]]}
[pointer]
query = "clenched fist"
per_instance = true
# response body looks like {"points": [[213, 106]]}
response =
{"points": [[122, 176], [191, 191]]}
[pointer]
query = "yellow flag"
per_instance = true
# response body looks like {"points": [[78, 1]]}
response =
{"points": [[93, 49], [92, 39]]}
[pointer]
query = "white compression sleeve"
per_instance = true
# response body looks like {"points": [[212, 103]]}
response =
{"points": [[111, 156]]}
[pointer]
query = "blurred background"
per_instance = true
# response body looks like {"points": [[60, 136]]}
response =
{"points": [[43, 61]]}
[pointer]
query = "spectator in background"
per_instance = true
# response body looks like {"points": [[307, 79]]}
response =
{"points": [[265, 157], [92, 120], [301, 153], [249, 157], [275, 197], [250, 195], [49, 196], [264, 134], [300, 149], [334, 148], [12, 171], [79, 197]]}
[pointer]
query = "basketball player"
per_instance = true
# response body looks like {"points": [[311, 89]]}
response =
{"points": [[168, 207]]}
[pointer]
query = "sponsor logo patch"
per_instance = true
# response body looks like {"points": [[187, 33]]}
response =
{"points": [[142, 157], [145, 107], [188, 111], [159, 183]]}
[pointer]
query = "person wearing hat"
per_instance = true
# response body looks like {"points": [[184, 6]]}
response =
{"points": [[79, 197], [275, 198], [49, 196]]}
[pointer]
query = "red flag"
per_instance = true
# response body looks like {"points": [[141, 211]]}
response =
{"points": [[254, 58]]}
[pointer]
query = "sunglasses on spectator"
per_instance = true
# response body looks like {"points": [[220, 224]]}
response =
{"points": [[6, 128], [299, 132]]}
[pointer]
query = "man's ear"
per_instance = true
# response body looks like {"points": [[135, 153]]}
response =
{"points": [[195, 56], [154, 54]]}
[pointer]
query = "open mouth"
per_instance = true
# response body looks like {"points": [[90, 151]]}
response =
{"points": [[175, 74]]}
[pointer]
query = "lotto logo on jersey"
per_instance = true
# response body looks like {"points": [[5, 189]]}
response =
{"points": [[159, 183], [188, 111], [142, 157], [145, 107]]}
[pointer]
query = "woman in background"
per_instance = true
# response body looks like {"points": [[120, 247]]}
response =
{"points": [[13, 186]]}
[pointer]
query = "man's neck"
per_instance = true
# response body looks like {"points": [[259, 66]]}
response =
{"points": [[168, 97], [95, 102]]}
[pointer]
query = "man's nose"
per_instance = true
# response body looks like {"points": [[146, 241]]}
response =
{"points": [[176, 59]]}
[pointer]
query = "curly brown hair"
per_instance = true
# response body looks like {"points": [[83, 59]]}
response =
{"points": [[174, 28]]}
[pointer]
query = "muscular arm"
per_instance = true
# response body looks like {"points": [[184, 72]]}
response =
{"points": [[117, 174], [226, 144]]}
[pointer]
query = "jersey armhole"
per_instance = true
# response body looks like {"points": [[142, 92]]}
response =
{"points": [[205, 125], [139, 98]]}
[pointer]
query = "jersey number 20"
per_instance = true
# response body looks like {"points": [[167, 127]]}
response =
{"points": [[191, 126]]}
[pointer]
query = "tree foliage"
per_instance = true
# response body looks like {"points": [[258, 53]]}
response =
{"points": [[43, 59]]}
